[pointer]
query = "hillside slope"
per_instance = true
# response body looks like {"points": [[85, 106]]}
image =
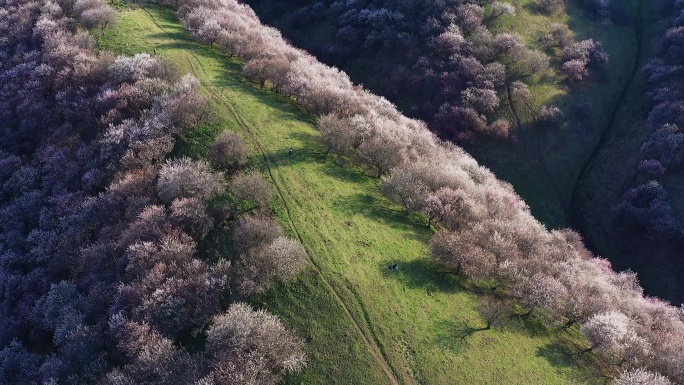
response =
{"points": [[573, 173], [542, 160], [358, 317]]}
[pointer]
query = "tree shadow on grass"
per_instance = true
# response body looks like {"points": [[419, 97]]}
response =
{"points": [[422, 274], [282, 158], [305, 150], [377, 209], [532, 325], [561, 355], [345, 170], [557, 354], [454, 335]]}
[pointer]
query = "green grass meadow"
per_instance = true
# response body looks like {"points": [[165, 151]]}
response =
{"points": [[419, 319]]}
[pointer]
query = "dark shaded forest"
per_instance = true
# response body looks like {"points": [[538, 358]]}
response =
{"points": [[646, 220], [438, 60]]}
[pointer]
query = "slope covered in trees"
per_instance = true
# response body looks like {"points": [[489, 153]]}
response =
{"points": [[414, 317], [485, 234], [638, 172], [490, 236], [490, 233], [575, 124], [101, 281]]}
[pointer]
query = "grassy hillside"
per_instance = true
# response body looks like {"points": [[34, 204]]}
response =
{"points": [[363, 323], [543, 163], [571, 174], [546, 163]]}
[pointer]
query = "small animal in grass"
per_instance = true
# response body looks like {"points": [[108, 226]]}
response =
{"points": [[290, 151], [393, 267]]}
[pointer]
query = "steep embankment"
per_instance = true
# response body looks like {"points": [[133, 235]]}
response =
{"points": [[363, 323], [612, 170], [546, 161], [590, 163]]}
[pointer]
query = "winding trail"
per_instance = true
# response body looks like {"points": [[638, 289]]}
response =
{"points": [[576, 217], [374, 346]]}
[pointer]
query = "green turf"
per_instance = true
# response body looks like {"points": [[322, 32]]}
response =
{"points": [[414, 318]]}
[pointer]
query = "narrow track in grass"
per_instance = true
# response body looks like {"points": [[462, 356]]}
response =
{"points": [[576, 216], [372, 342]]}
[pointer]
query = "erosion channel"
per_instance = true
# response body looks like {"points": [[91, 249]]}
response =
{"points": [[611, 169]]}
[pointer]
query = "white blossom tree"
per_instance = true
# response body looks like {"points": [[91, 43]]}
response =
{"points": [[186, 178]]}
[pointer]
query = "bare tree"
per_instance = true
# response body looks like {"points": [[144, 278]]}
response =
{"points": [[494, 311]]}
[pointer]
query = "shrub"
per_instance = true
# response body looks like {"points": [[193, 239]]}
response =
{"points": [[252, 187], [229, 150], [186, 178]]}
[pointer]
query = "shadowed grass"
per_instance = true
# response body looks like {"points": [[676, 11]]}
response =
{"points": [[352, 232], [546, 161]]}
